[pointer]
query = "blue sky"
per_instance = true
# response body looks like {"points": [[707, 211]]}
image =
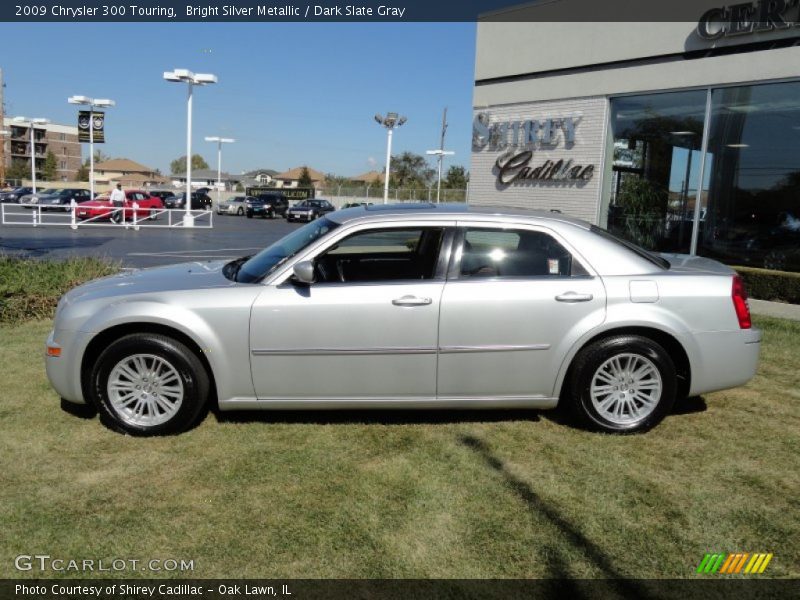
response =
{"points": [[291, 94]]}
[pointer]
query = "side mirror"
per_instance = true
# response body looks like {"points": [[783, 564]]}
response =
{"points": [[304, 272]]}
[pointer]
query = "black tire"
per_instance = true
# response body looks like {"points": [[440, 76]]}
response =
{"points": [[240, 212], [249, 215], [190, 371], [585, 367]]}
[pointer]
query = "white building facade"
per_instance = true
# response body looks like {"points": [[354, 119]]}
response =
{"points": [[681, 136]]}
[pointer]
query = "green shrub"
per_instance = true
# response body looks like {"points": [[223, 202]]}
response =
{"points": [[30, 289], [765, 284]]}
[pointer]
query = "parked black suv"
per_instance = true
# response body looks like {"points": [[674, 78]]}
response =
{"points": [[200, 201], [267, 206]]}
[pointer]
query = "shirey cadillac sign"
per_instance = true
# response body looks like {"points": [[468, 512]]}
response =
{"points": [[517, 140]]}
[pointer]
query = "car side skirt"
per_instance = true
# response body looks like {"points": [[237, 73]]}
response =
{"points": [[338, 403]]}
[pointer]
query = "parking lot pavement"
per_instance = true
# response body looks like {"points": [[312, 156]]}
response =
{"points": [[230, 238]]}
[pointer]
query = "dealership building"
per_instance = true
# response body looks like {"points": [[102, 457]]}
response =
{"points": [[681, 136]]}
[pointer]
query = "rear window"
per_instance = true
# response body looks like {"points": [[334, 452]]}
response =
{"points": [[652, 257]]}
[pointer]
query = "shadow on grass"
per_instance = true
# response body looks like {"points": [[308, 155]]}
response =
{"points": [[558, 566], [375, 417], [690, 406]]}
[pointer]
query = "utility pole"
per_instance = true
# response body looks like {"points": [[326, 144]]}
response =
{"points": [[2, 122], [440, 154]]}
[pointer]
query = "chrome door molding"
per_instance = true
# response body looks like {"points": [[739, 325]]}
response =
{"points": [[493, 348], [343, 351], [397, 350]]}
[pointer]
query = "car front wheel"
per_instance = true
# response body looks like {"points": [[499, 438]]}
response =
{"points": [[148, 384], [622, 384]]}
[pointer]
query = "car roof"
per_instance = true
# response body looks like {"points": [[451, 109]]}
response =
{"points": [[417, 210]]}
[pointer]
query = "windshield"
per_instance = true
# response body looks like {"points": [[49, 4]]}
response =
{"points": [[268, 259], [654, 258], [49, 191]]}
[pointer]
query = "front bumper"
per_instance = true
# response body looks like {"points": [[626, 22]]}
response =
{"points": [[64, 372]]}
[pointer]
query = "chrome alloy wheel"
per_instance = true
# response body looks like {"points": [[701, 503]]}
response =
{"points": [[145, 390], [626, 388]]}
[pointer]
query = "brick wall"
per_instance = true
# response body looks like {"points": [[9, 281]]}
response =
{"points": [[576, 199]]}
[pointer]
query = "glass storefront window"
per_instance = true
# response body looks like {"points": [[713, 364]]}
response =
{"points": [[750, 197], [657, 139], [752, 207]]}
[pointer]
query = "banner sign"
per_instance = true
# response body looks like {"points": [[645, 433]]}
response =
{"points": [[98, 122]]}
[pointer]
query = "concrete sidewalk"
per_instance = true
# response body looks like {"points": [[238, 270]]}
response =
{"points": [[775, 309]]}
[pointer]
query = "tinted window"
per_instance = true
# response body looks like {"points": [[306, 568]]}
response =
{"points": [[382, 255], [515, 253]]}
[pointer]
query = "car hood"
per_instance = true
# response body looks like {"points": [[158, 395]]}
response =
{"points": [[89, 203], [184, 276]]}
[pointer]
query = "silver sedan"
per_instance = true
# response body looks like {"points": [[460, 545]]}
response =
{"points": [[234, 206], [421, 306]]}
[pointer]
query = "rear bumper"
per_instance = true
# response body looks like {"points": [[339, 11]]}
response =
{"points": [[724, 359]]}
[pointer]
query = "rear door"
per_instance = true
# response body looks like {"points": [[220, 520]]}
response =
{"points": [[515, 301]]}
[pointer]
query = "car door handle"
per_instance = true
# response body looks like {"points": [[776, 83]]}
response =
{"points": [[573, 297], [411, 301]]}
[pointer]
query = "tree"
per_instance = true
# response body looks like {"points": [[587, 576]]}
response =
{"points": [[178, 166], [411, 170], [305, 178], [456, 178], [100, 156], [50, 166], [19, 169], [83, 171]]}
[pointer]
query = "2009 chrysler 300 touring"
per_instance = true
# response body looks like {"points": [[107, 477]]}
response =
{"points": [[416, 306]]}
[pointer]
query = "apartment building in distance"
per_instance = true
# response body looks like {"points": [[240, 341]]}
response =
{"points": [[61, 140]]}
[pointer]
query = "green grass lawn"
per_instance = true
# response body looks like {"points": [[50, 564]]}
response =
{"points": [[412, 495]]}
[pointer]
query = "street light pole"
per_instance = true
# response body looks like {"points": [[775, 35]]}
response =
{"points": [[192, 79], [92, 103], [31, 123], [220, 141], [390, 121]]}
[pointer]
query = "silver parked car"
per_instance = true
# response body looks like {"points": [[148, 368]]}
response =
{"points": [[235, 206], [412, 306]]}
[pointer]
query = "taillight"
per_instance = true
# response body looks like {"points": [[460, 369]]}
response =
{"points": [[739, 296]]}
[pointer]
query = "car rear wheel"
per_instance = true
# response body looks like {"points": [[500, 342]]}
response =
{"points": [[240, 212], [622, 384], [148, 384]]}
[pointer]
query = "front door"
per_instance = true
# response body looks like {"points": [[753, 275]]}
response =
{"points": [[365, 330]]}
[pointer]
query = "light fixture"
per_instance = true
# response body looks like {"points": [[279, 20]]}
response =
{"points": [[31, 123], [737, 145], [92, 103], [390, 121], [193, 79]]}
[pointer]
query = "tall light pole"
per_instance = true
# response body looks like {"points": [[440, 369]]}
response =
{"points": [[390, 121], [220, 141], [440, 154], [30, 123], [3, 133], [192, 79], [92, 103]]}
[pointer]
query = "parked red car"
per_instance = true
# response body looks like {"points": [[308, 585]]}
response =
{"points": [[101, 206]]}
